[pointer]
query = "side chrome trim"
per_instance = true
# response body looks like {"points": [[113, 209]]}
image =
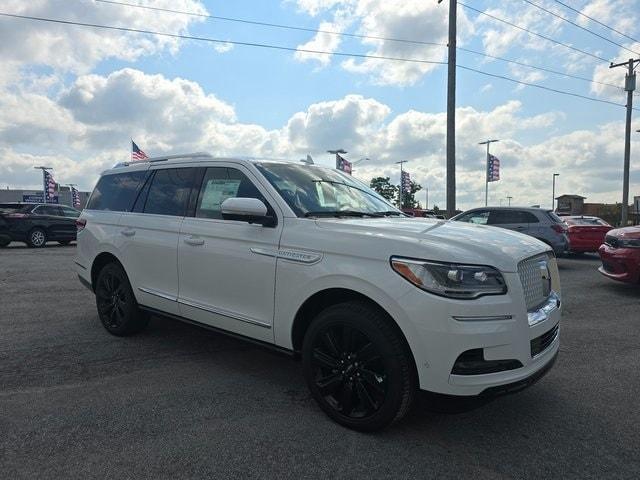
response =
{"points": [[298, 256], [224, 313], [543, 312], [158, 293], [483, 318]]}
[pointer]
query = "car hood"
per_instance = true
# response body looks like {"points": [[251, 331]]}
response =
{"points": [[439, 240], [626, 232]]}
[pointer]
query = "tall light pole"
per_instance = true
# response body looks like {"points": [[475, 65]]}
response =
{"points": [[553, 192], [451, 109], [364, 159], [336, 153], [486, 183], [401, 162], [509, 197], [44, 185]]}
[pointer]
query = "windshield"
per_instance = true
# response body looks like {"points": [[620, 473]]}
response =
{"points": [[316, 191]]}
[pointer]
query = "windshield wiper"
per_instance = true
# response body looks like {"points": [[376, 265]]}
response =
{"points": [[342, 213], [390, 213]]}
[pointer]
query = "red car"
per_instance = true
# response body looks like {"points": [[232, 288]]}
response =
{"points": [[586, 234], [620, 255]]}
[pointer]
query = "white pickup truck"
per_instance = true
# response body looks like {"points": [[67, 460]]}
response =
{"points": [[310, 261]]}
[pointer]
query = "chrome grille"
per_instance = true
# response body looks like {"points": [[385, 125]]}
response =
{"points": [[531, 278]]}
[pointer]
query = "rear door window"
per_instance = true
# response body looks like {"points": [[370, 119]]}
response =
{"points": [[479, 217], [169, 191], [505, 217], [116, 192]]}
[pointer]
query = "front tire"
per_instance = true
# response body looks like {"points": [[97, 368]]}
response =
{"points": [[117, 306], [358, 367], [37, 238]]}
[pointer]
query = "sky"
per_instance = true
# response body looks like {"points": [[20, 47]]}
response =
{"points": [[72, 97]]}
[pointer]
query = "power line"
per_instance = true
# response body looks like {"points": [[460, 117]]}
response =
{"points": [[292, 49], [537, 67], [217, 40], [268, 24], [535, 85], [596, 21], [579, 26], [597, 57], [401, 40]]}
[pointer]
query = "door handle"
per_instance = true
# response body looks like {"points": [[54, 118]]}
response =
{"points": [[194, 241], [128, 232]]}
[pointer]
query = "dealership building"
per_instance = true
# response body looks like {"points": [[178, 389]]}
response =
{"points": [[63, 196]]}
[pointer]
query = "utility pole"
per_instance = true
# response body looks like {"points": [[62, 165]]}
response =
{"points": [[629, 86], [509, 197], [401, 162], [427, 204], [553, 192], [451, 109], [486, 183], [44, 185]]}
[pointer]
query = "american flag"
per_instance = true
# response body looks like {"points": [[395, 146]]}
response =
{"points": [[49, 187], [75, 197], [406, 181], [136, 153], [343, 164], [493, 168]]}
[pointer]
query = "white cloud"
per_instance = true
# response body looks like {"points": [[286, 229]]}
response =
{"points": [[77, 49]]}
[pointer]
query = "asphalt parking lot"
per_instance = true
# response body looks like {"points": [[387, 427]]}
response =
{"points": [[181, 402]]}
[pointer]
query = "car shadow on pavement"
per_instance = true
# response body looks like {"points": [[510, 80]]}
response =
{"points": [[22, 246]]}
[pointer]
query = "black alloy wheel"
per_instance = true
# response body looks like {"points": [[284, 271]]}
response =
{"points": [[358, 367], [349, 370], [117, 307]]}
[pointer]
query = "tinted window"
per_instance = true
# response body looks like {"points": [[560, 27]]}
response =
{"points": [[479, 217], [116, 192], [555, 218], [502, 217], [47, 210], [220, 183], [169, 191], [70, 212]]}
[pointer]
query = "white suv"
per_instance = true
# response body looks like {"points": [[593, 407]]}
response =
{"points": [[310, 261]]}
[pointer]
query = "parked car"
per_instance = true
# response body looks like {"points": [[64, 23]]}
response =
{"points": [[416, 212], [310, 261], [37, 223], [542, 224], [586, 233], [620, 255]]}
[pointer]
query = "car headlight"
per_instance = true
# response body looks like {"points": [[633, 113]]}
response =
{"points": [[451, 279], [628, 242]]}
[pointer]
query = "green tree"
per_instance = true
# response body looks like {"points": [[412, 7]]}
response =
{"points": [[383, 186], [409, 198]]}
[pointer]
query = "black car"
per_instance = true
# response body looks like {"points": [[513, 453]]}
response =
{"points": [[35, 223]]}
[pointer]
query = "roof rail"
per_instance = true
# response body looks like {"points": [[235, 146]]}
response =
{"points": [[165, 158]]}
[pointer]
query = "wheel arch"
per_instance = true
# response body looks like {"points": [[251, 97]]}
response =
{"points": [[102, 259], [328, 297]]}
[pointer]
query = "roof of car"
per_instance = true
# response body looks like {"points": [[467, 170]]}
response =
{"points": [[534, 209]]}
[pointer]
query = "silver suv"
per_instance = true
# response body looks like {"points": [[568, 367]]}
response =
{"points": [[542, 224]]}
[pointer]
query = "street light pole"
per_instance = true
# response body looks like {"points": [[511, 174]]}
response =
{"points": [[553, 192], [486, 183], [509, 197]]}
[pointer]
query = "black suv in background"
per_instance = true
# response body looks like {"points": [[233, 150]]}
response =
{"points": [[35, 223]]}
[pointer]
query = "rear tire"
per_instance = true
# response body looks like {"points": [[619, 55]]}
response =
{"points": [[358, 367], [37, 238], [117, 306]]}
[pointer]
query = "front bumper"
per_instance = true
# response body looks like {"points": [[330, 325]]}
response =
{"points": [[498, 325], [621, 264]]}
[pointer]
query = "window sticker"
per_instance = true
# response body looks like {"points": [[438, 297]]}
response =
{"points": [[217, 191]]}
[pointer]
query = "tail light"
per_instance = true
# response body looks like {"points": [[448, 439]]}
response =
{"points": [[559, 228], [80, 224]]}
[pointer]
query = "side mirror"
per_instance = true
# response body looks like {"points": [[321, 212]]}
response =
{"points": [[249, 210]]}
